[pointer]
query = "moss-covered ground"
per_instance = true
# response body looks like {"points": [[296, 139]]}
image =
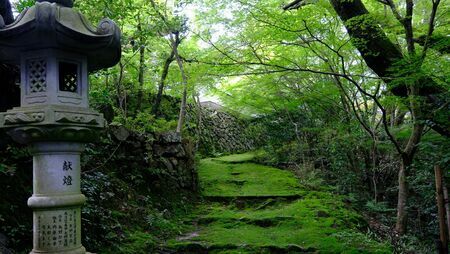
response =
{"points": [[250, 208]]}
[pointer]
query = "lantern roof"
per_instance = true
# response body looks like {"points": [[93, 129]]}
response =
{"points": [[55, 25]]}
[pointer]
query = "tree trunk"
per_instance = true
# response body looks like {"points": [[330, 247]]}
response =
{"points": [[121, 95], [374, 153], [381, 54], [164, 73], [370, 37], [141, 77], [198, 109], [400, 117], [141, 68], [175, 43], [402, 215], [407, 159]]}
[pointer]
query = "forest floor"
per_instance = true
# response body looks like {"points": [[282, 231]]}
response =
{"points": [[251, 208]]}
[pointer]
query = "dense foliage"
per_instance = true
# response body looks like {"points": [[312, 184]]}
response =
{"points": [[352, 95]]}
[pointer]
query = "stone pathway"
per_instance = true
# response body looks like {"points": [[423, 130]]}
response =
{"points": [[250, 208]]}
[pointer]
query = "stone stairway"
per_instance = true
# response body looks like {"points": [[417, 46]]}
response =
{"points": [[250, 208]]}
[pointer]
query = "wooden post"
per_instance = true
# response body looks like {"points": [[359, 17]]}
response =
{"points": [[447, 209], [441, 211]]}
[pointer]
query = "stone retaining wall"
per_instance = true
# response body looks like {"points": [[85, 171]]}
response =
{"points": [[166, 152], [220, 132]]}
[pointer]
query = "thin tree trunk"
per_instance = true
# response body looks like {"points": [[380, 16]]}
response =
{"points": [[118, 81], [175, 42], [407, 159], [400, 117], [182, 115], [372, 39], [107, 80], [140, 94], [374, 171], [164, 73], [198, 109], [141, 68], [402, 215]]}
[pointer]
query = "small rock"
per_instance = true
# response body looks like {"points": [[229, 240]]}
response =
{"points": [[119, 132], [3, 245], [170, 137], [322, 214]]}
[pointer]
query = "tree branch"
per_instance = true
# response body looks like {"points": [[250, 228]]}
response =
{"points": [[395, 11], [408, 26], [294, 5], [431, 24]]}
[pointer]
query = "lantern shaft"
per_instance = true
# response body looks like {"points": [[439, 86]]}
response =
{"points": [[56, 200], [56, 47]]}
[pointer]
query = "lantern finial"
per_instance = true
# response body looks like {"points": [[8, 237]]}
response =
{"points": [[65, 3]]}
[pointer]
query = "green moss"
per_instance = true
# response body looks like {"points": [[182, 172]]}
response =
{"points": [[237, 158], [137, 242], [312, 221], [245, 180]]}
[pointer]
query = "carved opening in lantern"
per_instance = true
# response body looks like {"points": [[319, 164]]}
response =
{"points": [[68, 77], [37, 75]]}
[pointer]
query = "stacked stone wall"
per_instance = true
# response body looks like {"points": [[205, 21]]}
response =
{"points": [[169, 154], [220, 131]]}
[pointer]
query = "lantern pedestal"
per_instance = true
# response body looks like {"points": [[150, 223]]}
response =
{"points": [[57, 199], [56, 48], [56, 135]]}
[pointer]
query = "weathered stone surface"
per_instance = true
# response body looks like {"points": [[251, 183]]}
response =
{"points": [[169, 149], [57, 115], [29, 134], [57, 199], [167, 164], [3, 245], [119, 132], [176, 160], [63, 28], [170, 137], [21, 117], [56, 47], [219, 131], [66, 3]]}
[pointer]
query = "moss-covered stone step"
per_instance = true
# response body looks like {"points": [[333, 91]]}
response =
{"points": [[255, 239], [226, 180], [200, 248], [263, 222], [260, 209], [320, 222], [245, 199], [236, 158]]}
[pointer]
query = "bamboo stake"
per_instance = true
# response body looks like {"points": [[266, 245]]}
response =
{"points": [[447, 209], [441, 211]]}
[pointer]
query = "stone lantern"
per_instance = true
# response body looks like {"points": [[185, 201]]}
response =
{"points": [[56, 48]]}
